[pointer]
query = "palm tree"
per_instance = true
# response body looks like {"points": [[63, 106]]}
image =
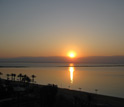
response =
{"points": [[14, 75], [96, 90], [26, 79], [33, 76], [20, 76], [1, 74], [8, 76]]}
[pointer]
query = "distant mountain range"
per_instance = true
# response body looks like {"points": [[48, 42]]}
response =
{"points": [[90, 59]]}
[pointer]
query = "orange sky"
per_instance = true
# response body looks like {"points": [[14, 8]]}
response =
{"points": [[54, 28]]}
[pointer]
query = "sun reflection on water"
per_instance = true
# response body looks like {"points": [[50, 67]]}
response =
{"points": [[71, 70]]}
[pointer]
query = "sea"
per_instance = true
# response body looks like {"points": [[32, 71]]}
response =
{"points": [[105, 79]]}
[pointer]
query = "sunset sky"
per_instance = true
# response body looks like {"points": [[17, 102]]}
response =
{"points": [[56, 27]]}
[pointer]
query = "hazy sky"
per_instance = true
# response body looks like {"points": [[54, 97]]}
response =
{"points": [[55, 27]]}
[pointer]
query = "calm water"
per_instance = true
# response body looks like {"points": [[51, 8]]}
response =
{"points": [[108, 80]]}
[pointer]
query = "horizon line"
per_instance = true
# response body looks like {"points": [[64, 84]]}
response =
{"points": [[60, 56]]}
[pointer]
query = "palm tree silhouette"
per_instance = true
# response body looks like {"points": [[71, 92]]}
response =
{"points": [[14, 75], [20, 76], [8, 76], [1, 74], [33, 76], [26, 79], [96, 90]]}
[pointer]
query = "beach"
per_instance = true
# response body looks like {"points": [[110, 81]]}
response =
{"points": [[24, 94]]}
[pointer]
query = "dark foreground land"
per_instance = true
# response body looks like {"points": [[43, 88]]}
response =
{"points": [[20, 94]]}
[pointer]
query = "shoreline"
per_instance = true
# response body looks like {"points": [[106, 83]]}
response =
{"points": [[109, 65], [67, 95]]}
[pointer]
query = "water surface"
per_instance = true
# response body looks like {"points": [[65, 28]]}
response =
{"points": [[108, 79]]}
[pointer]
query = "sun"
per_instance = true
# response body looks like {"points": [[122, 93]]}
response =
{"points": [[71, 55]]}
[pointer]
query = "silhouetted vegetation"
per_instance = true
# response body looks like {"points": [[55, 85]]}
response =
{"points": [[22, 93], [33, 76], [7, 76], [20, 76], [1, 74]]}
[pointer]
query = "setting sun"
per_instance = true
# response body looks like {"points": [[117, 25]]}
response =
{"points": [[71, 54]]}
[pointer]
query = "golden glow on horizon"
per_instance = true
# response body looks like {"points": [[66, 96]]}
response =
{"points": [[71, 64], [71, 70]]}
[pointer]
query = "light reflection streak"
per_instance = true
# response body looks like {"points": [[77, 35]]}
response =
{"points": [[71, 70]]}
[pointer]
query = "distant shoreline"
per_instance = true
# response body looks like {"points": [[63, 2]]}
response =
{"points": [[60, 59], [109, 65], [13, 66]]}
